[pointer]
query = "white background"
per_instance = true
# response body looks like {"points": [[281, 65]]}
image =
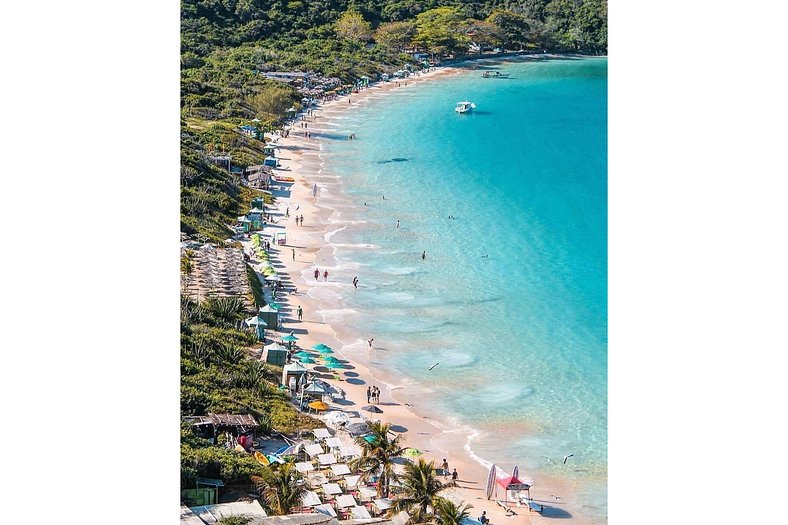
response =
{"points": [[697, 262]]}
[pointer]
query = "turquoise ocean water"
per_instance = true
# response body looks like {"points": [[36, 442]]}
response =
{"points": [[521, 334]]}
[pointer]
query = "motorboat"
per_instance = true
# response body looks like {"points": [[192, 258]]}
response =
{"points": [[495, 74], [464, 106]]}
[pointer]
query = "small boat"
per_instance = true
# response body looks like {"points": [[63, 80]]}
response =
{"points": [[464, 106], [495, 74], [260, 457]]}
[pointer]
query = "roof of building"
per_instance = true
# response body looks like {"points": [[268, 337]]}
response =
{"points": [[226, 420]]}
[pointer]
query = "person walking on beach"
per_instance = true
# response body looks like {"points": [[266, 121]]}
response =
{"points": [[294, 254], [325, 275], [454, 476], [369, 394], [445, 468], [302, 219], [317, 273], [287, 212], [300, 312], [370, 341]]}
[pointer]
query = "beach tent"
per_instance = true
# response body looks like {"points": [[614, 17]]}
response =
{"points": [[513, 484], [294, 370], [349, 450], [270, 315]]}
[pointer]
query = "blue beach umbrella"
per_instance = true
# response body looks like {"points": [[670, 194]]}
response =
{"points": [[289, 338], [321, 346]]}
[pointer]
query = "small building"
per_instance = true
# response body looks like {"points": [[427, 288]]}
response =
{"points": [[275, 354], [295, 372], [269, 315], [244, 223], [258, 203], [269, 150], [212, 425]]}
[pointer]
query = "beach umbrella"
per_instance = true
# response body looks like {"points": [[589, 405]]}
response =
{"points": [[330, 359], [290, 338], [307, 361], [412, 452], [372, 408], [318, 405], [301, 353], [370, 439], [357, 428], [326, 351], [333, 366], [321, 346]]}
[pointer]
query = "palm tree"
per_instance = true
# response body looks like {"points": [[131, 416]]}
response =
{"points": [[420, 488], [281, 489], [449, 513], [377, 456]]}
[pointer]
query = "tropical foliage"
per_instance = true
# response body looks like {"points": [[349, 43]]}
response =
{"points": [[379, 454], [418, 492], [449, 513], [281, 489]]}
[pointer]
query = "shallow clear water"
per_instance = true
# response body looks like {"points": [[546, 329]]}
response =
{"points": [[520, 335]]}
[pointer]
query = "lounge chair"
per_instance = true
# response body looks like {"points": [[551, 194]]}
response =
{"points": [[534, 506]]}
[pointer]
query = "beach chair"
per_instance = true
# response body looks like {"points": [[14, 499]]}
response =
{"points": [[534, 506]]}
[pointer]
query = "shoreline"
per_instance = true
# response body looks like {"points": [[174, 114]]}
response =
{"points": [[436, 437]]}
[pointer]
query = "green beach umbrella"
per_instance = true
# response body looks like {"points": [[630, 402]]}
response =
{"points": [[321, 346], [326, 351], [369, 439], [289, 338], [330, 359], [307, 361], [301, 353], [274, 305]]}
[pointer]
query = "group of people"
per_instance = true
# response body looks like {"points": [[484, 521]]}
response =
{"points": [[317, 274], [445, 469], [299, 220], [373, 394]]}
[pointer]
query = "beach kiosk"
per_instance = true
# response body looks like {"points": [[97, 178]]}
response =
{"points": [[275, 354], [281, 238], [245, 224], [258, 203], [293, 375], [256, 216], [270, 315], [268, 150], [512, 485]]}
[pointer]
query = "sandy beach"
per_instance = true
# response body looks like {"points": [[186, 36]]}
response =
{"points": [[300, 158]]}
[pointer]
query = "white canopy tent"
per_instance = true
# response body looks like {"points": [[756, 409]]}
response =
{"points": [[321, 433], [367, 493], [333, 442], [326, 509]]}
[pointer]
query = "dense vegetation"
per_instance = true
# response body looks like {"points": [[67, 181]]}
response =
{"points": [[226, 44], [218, 376]]}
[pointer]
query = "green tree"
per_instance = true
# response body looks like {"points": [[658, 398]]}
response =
{"points": [[281, 489], [484, 33], [396, 36], [449, 513], [513, 28], [271, 101], [235, 520], [378, 455], [442, 30], [352, 26], [420, 489]]}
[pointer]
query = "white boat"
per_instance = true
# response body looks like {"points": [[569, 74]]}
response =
{"points": [[464, 106]]}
